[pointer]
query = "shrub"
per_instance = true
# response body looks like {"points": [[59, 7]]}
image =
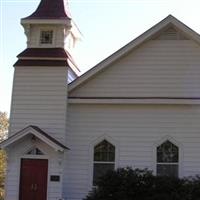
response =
{"points": [[137, 184]]}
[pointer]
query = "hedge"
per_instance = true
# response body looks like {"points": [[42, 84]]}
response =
{"points": [[137, 184]]}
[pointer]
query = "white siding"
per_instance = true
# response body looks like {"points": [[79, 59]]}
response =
{"points": [[137, 129], [39, 98], [159, 68]]}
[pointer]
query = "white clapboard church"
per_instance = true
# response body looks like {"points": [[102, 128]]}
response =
{"points": [[139, 107]]}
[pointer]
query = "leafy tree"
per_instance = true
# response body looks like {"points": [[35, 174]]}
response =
{"points": [[4, 123]]}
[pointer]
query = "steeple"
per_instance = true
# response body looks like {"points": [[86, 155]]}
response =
{"points": [[52, 13], [50, 29], [51, 9], [43, 70]]}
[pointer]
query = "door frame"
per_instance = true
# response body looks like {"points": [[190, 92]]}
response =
{"points": [[33, 157]]}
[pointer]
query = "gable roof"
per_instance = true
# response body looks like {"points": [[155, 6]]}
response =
{"points": [[39, 133], [152, 32]]}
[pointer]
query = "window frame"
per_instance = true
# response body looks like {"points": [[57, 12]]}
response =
{"points": [[180, 154], [34, 151], [103, 162], [91, 154], [40, 34]]}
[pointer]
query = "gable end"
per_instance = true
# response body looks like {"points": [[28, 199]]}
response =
{"points": [[184, 33]]}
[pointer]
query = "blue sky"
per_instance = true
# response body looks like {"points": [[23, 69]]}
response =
{"points": [[106, 26]]}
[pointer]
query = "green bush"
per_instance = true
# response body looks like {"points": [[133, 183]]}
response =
{"points": [[137, 184]]}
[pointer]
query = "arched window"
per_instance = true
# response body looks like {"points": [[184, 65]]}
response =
{"points": [[167, 159], [35, 151], [104, 159]]}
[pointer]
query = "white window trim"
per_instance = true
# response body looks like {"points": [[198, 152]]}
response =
{"points": [[91, 156], [181, 154], [104, 162], [169, 163]]}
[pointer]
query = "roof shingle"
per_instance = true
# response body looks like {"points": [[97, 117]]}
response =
{"points": [[51, 9]]}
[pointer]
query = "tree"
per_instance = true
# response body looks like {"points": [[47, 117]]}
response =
{"points": [[4, 123]]}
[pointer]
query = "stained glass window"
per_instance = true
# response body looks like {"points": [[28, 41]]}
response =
{"points": [[167, 159], [46, 37], [104, 159]]}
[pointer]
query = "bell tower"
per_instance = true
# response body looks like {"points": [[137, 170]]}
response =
{"points": [[43, 70], [51, 30]]}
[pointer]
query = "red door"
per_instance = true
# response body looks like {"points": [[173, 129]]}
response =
{"points": [[33, 179]]}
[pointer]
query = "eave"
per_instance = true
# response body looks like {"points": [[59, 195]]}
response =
{"points": [[37, 132]]}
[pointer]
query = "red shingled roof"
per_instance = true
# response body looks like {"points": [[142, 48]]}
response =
{"points": [[47, 63], [29, 55], [51, 9], [48, 136], [44, 52]]}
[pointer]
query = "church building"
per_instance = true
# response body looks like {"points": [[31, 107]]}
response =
{"points": [[140, 107]]}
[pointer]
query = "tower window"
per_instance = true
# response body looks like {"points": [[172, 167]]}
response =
{"points": [[46, 37], [104, 159], [167, 159]]}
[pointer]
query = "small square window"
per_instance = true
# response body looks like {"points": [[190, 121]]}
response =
{"points": [[46, 37]]}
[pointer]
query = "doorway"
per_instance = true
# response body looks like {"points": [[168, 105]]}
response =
{"points": [[33, 179]]}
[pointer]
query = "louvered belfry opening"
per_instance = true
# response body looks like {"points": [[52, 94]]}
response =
{"points": [[171, 33]]}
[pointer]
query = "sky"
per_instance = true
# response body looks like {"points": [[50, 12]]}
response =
{"points": [[106, 26]]}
